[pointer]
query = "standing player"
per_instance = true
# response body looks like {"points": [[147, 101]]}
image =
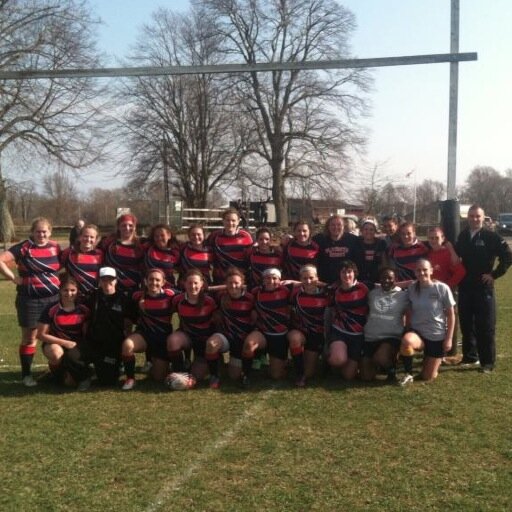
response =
{"points": [[335, 246], [195, 254], [479, 249], [262, 255], [299, 251], [229, 246], [84, 260], [37, 286], [371, 250], [124, 252], [162, 251]]}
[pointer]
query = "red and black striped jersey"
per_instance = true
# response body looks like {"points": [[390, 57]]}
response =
{"points": [[154, 312], [83, 266], [127, 260], [237, 315], [195, 319], [194, 257], [351, 308], [260, 261], [296, 255], [404, 259], [273, 309], [68, 325], [308, 309], [229, 251], [166, 260], [38, 267]]}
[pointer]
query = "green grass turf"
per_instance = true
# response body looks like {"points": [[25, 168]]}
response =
{"points": [[332, 446]]}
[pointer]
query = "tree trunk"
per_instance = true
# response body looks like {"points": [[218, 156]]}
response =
{"points": [[279, 193], [6, 223]]}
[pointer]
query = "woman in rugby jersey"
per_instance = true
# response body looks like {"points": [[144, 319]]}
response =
{"points": [[229, 246], [61, 330], [153, 307], [235, 319], [195, 254], [195, 311], [84, 260], [162, 251], [299, 251], [262, 255], [350, 307], [371, 252], [124, 252], [272, 322], [403, 256], [306, 339], [37, 286]]}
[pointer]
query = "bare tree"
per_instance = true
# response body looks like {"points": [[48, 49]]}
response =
{"points": [[57, 118], [182, 130], [302, 121]]}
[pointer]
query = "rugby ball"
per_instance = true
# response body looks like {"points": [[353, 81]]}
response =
{"points": [[180, 381]]}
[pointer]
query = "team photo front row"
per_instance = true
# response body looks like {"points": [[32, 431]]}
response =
{"points": [[356, 306]]}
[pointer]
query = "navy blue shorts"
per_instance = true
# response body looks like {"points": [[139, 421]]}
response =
{"points": [[314, 341], [354, 342], [277, 345], [156, 342], [370, 347], [431, 348], [29, 309]]}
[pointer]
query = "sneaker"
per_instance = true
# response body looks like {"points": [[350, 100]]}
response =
{"points": [[29, 381], [128, 385], [245, 382], [146, 367], [301, 382], [406, 379], [214, 382], [464, 362], [486, 368], [84, 385]]}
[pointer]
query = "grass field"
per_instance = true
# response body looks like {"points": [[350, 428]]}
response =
{"points": [[332, 446]]}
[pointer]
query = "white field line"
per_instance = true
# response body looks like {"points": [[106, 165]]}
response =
{"points": [[209, 451]]}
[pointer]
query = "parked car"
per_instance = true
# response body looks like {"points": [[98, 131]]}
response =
{"points": [[504, 223]]}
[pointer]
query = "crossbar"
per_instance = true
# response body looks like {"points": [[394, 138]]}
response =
{"points": [[33, 74]]}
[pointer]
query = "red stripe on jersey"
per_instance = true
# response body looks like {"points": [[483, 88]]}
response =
{"points": [[404, 259], [84, 267], [237, 317], [351, 308], [164, 259], [192, 257], [195, 319], [309, 309], [66, 324], [154, 311], [273, 310], [127, 260], [295, 256], [260, 261], [229, 251], [38, 267]]}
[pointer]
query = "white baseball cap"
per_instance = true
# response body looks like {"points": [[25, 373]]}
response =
{"points": [[108, 272]]}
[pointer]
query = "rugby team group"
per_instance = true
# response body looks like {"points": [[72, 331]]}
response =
{"points": [[362, 305]]}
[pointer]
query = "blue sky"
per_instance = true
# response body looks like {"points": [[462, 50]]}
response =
{"points": [[408, 125]]}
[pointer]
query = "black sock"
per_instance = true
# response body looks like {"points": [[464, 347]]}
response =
{"points": [[298, 361], [213, 364], [247, 358], [176, 359], [407, 363], [26, 357], [129, 366]]}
